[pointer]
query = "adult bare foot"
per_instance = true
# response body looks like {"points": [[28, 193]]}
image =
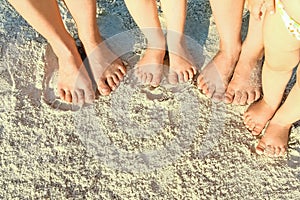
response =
{"points": [[150, 68], [245, 85], [274, 141], [181, 65], [257, 116], [74, 84], [214, 78], [107, 68]]}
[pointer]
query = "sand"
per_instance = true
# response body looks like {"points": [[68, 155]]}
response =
{"points": [[139, 143]]}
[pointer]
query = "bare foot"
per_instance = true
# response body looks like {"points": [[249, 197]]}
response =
{"points": [[274, 141], [257, 116], [181, 67], [214, 78], [74, 84], [245, 85], [150, 67], [107, 68]]}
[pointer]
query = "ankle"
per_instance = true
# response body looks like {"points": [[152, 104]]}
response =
{"points": [[270, 104], [231, 51], [281, 121], [65, 49]]}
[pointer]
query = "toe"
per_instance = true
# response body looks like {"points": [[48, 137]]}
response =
{"points": [[237, 97], [229, 96], [256, 131], [282, 151], [243, 99], [277, 151], [251, 126], [191, 73], [185, 76], [180, 77], [204, 89], [251, 97], [74, 98], [194, 69], [156, 80], [103, 88], [202, 84], [260, 148], [269, 151], [149, 78], [116, 79], [257, 95], [246, 117], [111, 83], [68, 97], [62, 94], [173, 78], [122, 69], [144, 78], [217, 96], [120, 75], [200, 81], [211, 90]]}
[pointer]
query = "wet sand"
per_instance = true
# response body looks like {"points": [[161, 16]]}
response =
{"points": [[140, 142]]}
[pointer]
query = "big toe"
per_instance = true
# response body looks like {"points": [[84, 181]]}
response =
{"points": [[173, 78], [103, 88], [260, 148], [229, 95], [156, 79]]}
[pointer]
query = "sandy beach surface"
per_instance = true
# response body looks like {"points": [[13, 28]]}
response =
{"points": [[170, 142]]}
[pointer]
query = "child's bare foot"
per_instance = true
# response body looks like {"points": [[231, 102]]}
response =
{"points": [[107, 68], [245, 85], [150, 67], [181, 65], [257, 116], [274, 141], [214, 78], [74, 84]]}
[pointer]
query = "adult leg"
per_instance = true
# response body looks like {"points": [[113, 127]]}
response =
{"points": [[107, 68], [214, 78], [74, 84], [245, 85], [150, 67], [181, 65]]}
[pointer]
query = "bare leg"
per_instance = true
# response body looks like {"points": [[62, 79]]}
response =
{"points": [[181, 65], [215, 77], [282, 54], [245, 86], [150, 67], [107, 68], [74, 84]]}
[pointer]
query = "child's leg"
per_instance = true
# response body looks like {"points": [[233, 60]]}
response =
{"points": [[150, 67], [215, 77], [181, 66], [274, 141], [245, 86], [282, 55], [74, 84], [107, 68]]}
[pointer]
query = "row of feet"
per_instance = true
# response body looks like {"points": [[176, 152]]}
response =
{"points": [[238, 84]]}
